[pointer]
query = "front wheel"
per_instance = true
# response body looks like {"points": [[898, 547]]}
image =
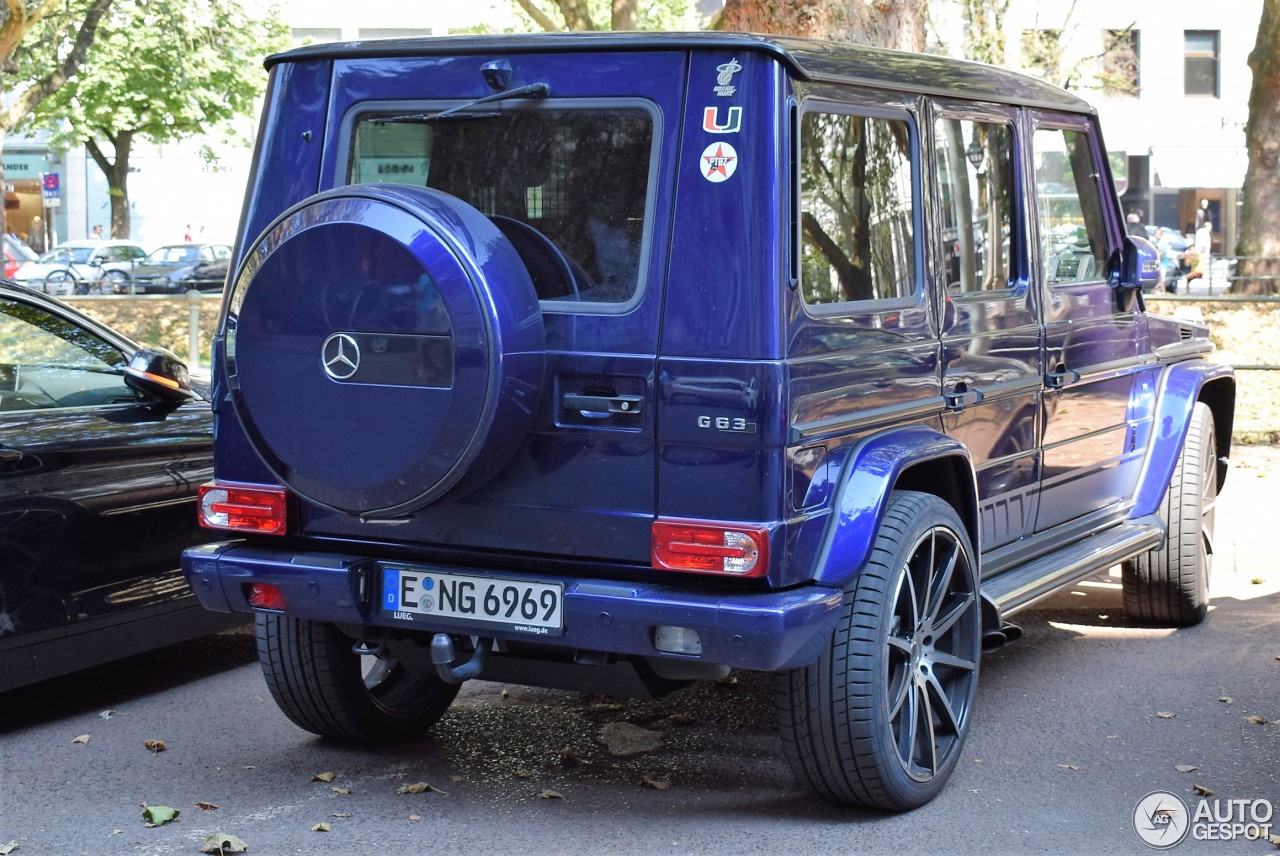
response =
{"points": [[879, 720], [1170, 585], [326, 688]]}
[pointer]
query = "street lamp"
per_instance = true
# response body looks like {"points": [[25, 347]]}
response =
{"points": [[974, 153]]}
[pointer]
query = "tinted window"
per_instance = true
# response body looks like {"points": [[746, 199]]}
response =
{"points": [[47, 361], [857, 231], [578, 177], [975, 175], [1073, 235]]}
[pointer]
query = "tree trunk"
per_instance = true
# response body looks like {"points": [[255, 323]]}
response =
{"points": [[1259, 243], [117, 172], [624, 15], [895, 24]]}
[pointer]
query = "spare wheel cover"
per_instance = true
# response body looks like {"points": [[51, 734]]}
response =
{"points": [[384, 346]]}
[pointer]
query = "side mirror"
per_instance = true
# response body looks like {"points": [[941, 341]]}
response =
{"points": [[160, 376], [1140, 264]]}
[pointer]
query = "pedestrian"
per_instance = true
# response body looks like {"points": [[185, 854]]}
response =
{"points": [[1168, 261], [1203, 244], [1202, 214], [1133, 225], [97, 233], [187, 235]]}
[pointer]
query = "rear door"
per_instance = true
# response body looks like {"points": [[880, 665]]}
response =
{"points": [[991, 371], [578, 180]]}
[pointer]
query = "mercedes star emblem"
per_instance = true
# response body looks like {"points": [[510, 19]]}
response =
{"points": [[340, 356]]}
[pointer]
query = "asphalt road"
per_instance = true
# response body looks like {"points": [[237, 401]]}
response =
{"points": [[1067, 737]]}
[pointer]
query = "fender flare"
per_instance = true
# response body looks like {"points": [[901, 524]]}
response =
{"points": [[1181, 386], [870, 471]]}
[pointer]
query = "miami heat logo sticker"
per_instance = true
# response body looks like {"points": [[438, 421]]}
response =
{"points": [[719, 162], [711, 121]]}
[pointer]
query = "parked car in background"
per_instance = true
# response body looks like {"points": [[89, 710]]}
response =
{"points": [[15, 253], [83, 267], [178, 268], [1174, 264], [102, 445]]}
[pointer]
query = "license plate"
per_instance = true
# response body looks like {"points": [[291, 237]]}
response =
{"points": [[520, 606]]}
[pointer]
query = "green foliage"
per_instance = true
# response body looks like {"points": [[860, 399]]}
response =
{"points": [[161, 71], [650, 14]]}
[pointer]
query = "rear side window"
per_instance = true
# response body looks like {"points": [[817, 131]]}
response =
{"points": [[568, 187], [856, 222], [1073, 233], [975, 175]]}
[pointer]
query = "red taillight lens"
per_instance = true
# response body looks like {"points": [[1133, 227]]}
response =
{"points": [[710, 548], [264, 596], [244, 508]]}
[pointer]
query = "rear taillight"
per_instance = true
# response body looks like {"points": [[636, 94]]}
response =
{"points": [[264, 596], [710, 548], [244, 508]]}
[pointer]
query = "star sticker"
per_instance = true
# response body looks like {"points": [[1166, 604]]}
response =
{"points": [[717, 162]]}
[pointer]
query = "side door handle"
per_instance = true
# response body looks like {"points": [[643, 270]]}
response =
{"points": [[1060, 377], [961, 397], [603, 406], [9, 456]]}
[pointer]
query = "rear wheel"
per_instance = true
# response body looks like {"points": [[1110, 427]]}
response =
{"points": [[115, 282], [880, 719], [1171, 585], [326, 688]]}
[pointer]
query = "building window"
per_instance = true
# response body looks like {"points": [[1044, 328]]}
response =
{"points": [[1119, 75], [1201, 62]]}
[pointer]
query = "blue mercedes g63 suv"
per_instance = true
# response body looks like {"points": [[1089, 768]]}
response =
{"points": [[617, 361]]}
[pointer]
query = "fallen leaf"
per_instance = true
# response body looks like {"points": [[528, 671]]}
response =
{"points": [[550, 795], [207, 806], [342, 814], [414, 818], [1226, 699], [728, 681], [1069, 766], [82, 739], [1274, 839], [341, 790], [417, 788], [159, 815], [107, 714], [655, 784], [6, 849], [456, 779], [505, 693], [1257, 581], [522, 774], [1165, 714], [323, 777], [1185, 768], [155, 745], [117, 832], [681, 719], [1202, 790], [320, 827], [220, 842], [1255, 719]]}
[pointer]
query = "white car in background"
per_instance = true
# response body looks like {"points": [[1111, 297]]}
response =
{"points": [[83, 267]]}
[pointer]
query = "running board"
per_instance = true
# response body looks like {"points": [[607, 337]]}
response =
{"points": [[1023, 585]]}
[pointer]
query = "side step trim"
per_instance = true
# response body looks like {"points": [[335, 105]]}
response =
{"points": [[1023, 585]]}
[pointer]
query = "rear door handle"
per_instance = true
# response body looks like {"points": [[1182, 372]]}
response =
{"points": [[961, 398], [603, 406], [1062, 377]]}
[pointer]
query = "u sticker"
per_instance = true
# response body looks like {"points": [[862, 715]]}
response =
{"points": [[711, 121]]}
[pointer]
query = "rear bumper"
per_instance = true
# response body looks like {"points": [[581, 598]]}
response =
{"points": [[766, 631]]}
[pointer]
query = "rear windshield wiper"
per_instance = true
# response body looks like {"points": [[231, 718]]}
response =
{"points": [[533, 90]]}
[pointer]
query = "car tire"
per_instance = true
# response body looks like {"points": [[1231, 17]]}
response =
{"points": [[880, 719], [319, 682], [1170, 585], [115, 282]]}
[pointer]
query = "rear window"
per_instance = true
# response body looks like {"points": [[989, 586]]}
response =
{"points": [[569, 187]]}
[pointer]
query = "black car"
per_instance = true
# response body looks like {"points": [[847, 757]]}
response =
{"points": [[102, 446], [177, 268]]}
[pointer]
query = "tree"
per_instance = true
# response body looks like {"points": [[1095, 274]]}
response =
{"points": [[898, 24], [161, 72], [50, 37], [1259, 241], [581, 15]]}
